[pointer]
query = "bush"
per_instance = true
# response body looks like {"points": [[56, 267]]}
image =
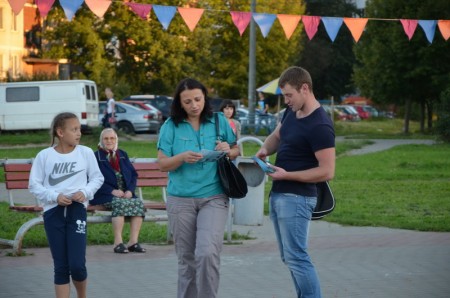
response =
{"points": [[443, 113]]}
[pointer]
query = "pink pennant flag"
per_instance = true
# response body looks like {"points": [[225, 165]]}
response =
{"points": [[356, 26], [311, 25], [98, 7], [44, 6], [289, 22], [142, 10], [444, 27], [191, 16], [409, 26], [17, 5], [241, 20]]}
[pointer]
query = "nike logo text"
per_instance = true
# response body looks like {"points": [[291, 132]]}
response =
{"points": [[62, 168]]}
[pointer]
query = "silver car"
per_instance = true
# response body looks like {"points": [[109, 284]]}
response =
{"points": [[131, 119]]}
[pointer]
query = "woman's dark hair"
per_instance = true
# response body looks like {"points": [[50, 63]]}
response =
{"points": [[228, 103], [59, 122], [177, 113]]}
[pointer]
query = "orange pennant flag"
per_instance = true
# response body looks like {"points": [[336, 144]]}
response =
{"points": [[289, 22], [444, 27], [98, 7], [17, 5], [191, 16], [356, 26]]}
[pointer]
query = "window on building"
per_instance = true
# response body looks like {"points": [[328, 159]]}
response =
{"points": [[14, 21], [1, 17]]}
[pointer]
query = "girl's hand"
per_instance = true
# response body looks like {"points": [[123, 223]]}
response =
{"points": [[128, 194], [191, 156], [79, 197], [62, 200]]}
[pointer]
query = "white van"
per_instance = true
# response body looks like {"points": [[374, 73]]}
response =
{"points": [[33, 105]]}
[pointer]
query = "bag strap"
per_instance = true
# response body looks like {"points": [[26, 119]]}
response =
{"points": [[216, 116]]}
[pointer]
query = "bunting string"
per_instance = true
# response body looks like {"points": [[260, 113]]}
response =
{"points": [[241, 19]]}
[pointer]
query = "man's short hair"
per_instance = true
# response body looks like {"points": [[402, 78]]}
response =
{"points": [[295, 76]]}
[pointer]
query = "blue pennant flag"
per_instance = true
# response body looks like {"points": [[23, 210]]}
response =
{"points": [[332, 26], [164, 14], [264, 21]]}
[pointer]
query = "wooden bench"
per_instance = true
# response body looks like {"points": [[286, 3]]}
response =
{"points": [[17, 174]]}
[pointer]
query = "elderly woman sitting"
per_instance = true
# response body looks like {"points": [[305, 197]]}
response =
{"points": [[117, 191]]}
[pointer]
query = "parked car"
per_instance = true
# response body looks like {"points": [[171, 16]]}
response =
{"points": [[371, 110], [161, 102], [361, 112], [268, 121], [144, 105], [347, 113], [131, 119]]}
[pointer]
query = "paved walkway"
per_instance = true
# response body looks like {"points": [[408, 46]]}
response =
{"points": [[351, 262]]}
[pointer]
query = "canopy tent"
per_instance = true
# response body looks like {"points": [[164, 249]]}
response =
{"points": [[272, 88]]}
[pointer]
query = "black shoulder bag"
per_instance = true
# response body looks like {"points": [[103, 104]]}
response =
{"points": [[325, 200], [233, 183]]}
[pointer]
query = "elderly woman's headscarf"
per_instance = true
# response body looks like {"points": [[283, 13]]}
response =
{"points": [[112, 155]]}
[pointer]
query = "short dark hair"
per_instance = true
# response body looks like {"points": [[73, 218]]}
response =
{"points": [[295, 76], [177, 113], [228, 103]]}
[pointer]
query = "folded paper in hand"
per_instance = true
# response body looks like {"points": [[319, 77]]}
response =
{"points": [[211, 155]]}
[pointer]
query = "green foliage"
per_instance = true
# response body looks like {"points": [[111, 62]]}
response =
{"points": [[330, 63], [392, 69], [135, 56], [443, 113]]}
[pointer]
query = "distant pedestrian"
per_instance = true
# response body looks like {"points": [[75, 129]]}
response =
{"points": [[109, 119], [305, 147], [63, 178]]}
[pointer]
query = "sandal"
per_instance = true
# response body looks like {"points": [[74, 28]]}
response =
{"points": [[136, 248], [120, 249]]}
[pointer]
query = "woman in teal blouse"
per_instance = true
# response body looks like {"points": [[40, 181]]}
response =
{"points": [[196, 204]]}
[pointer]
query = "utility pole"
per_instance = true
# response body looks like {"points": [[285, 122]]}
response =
{"points": [[252, 69]]}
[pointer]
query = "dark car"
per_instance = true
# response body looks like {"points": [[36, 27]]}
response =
{"points": [[161, 102]]}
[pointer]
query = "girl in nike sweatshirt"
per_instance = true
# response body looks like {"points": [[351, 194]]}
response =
{"points": [[63, 178]]}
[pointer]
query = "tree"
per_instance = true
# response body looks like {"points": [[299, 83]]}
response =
{"points": [[392, 69], [330, 63], [138, 56]]}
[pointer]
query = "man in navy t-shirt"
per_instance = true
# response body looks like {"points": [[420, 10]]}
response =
{"points": [[305, 147]]}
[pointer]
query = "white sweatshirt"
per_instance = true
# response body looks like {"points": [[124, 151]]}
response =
{"points": [[53, 173]]}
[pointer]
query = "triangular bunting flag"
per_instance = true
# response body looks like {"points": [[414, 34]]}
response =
{"points": [[429, 27], [44, 6], [17, 5], [356, 26], [70, 7], [98, 7], [289, 23], [444, 27], [164, 14], [191, 16], [141, 10], [241, 20], [265, 22], [311, 25], [409, 26], [332, 26]]}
